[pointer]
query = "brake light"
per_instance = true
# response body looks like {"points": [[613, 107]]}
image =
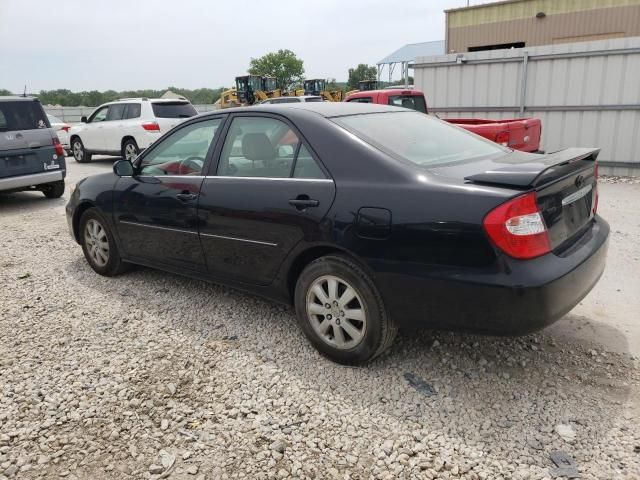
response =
{"points": [[58, 146], [517, 228], [596, 195], [503, 138], [151, 126], [66, 128]]}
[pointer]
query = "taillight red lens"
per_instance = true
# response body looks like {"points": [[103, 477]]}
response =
{"points": [[59, 150], [503, 138], [66, 128], [517, 228], [151, 126], [596, 194]]}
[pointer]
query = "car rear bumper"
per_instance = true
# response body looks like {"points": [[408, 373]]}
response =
{"points": [[23, 181], [513, 297]]}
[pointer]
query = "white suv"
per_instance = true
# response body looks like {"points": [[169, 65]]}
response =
{"points": [[126, 127]]}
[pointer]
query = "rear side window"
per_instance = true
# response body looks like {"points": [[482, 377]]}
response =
{"points": [[132, 111], [414, 102], [265, 147], [362, 100], [285, 100], [314, 99], [173, 110], [20, 115]]}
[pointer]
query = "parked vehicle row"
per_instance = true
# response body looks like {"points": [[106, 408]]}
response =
{"points": [[31, 155], [366, 218]]}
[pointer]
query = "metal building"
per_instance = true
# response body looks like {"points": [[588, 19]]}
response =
{"points": [[527, 23], [587, 94]]}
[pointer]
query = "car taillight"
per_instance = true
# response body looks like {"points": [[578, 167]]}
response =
{"points": [[66, 128], [151, 126], [517, 228], [503, 139], [58, 147], [596, 195]]}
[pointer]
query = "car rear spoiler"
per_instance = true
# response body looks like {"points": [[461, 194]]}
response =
{"points": [[525, 171]]}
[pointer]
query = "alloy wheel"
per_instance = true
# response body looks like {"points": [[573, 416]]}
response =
{"points": [[97, 242], [130, 151], [336, 312], [78, 151]]}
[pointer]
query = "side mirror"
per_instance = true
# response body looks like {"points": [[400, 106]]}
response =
{"points": [[123, 168], [83, 119]]}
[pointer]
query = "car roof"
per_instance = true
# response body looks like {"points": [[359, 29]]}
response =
{"points": [[325, 109], [153, 100], [386, 91], [15, 98]]}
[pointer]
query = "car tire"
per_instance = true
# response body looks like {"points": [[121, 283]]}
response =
{"points": [[53, 190], [359, 328], [79, 152], [99, 246], [130, 149]]}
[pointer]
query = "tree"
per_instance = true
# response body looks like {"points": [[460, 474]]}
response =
{"points": [[4, 93], [361, 72], [283, 65]]}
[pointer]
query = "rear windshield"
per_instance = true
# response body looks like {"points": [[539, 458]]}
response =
{"points": [[414, 102], [20, 115], [173, 110], [418, 138]]}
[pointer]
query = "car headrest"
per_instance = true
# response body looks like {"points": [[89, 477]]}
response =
{"points": [[407, 103], [257, 146]]}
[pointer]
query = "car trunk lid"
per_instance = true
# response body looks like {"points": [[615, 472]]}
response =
{"points": [[565, 183]]}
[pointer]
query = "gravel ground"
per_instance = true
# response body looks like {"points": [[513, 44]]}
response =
{"points": [[151, 375]]}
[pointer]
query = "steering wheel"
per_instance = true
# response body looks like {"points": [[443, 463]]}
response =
{"points": [[191, 165]]}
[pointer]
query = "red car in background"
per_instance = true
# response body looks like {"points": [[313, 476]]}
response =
{"points": [[519, 133]]}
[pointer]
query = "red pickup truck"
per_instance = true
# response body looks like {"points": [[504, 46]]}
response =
{"points": [[518, 133]]}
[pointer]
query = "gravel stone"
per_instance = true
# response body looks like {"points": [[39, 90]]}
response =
{"points": [[152, 375]]}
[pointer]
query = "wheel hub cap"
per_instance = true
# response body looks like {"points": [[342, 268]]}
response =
{"points": [[97, 242], [336, 312]]}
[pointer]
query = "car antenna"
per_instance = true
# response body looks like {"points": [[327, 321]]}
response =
{"points": [[24, 93]]}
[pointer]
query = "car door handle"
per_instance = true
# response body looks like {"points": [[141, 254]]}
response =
{"points": [[303, 201], [186, 196]]}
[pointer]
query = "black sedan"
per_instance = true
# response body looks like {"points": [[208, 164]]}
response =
{"points": [[367, 218]]}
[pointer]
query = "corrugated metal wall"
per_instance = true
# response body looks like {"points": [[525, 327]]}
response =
{"points": [[587, 94]]}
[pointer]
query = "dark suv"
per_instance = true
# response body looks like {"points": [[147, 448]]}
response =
{"points": [[31, 156]]}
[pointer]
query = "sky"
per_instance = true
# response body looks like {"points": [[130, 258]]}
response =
{"points": [[137, 44]]}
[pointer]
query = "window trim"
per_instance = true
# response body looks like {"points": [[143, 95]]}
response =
{"points": [[210, 153], [213, 165]]}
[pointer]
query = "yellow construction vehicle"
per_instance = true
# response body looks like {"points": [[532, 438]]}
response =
{"points": [[318, 86], [228, 99], [364, 86]]}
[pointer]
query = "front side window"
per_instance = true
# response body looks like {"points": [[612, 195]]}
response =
{"points": [[116, 112], [413, 102], [183, 152], [265, 147], [420, 139], [99, 115]]}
